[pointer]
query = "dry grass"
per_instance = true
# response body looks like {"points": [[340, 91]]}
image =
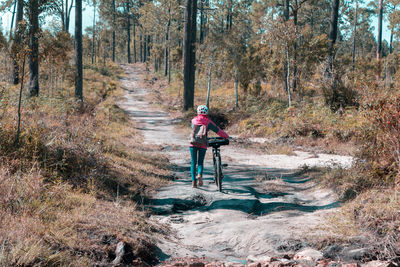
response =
{"points": [[370, 132], [371, 220], [308, 122], [73, 187]]}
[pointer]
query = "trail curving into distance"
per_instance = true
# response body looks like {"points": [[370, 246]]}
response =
{"points": [[248, 217]]}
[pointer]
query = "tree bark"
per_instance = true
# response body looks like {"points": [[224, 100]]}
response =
{"points": [[19, 103], [34, 47], [294, 78], [236, 85], [113, 32], [128, 31], [380, 18], [209, 82], [391, 41], [169, 62], [166, 49], [285, 61], [94, 33], [354, 35], [16, 46], [144, 47], [288, 77], [12, 19], [149, 41], [189, 53], [134, 42], [188, 92], [332, 36], [78, 50], [141, 47], [201, 38], [67, 15]]}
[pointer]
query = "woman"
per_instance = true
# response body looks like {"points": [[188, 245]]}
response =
{"points": [[198, 144]]}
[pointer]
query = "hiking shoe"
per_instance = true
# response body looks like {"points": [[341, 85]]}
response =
{"points": [[200, 180], [194, 184]]}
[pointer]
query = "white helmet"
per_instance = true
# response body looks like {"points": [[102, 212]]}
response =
{"points": [[202, 109]]}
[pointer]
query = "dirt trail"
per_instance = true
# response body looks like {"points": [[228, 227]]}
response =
{"points": [[248, 217]]}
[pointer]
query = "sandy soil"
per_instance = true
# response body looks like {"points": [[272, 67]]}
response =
{"points": [[249, 217]]}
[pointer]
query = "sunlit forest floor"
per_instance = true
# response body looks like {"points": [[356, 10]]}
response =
{"points": [[73, 187]]}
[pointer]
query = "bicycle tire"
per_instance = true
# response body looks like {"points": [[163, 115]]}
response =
{"points": [[218, 179], [215, 169]]}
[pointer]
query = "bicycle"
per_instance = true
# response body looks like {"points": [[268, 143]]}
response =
{"points": [[215, 143]]}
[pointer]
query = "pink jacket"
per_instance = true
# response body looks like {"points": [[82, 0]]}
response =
{"points": [[210, 125]]}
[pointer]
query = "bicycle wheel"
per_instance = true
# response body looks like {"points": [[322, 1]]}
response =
{"points": [[218, 179], [215, 169]]}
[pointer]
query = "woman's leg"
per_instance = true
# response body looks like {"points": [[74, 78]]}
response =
{"points": [[193, 155], [202, 154]]}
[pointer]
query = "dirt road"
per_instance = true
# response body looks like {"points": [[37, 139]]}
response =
{"points": [[249, 217]]}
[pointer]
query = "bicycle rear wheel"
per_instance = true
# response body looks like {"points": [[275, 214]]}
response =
{"points": [[218, 179]]}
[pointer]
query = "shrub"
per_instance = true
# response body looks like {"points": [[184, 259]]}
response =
{"points": [[381, 140]]}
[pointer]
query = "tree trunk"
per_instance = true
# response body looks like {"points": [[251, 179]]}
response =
{"points": [[113, 32], [230, 21], [16, 46], [19, 103], [12, 19], [78, 50], [332, 36], [294, 78], [94, 32], [34, 47], [156, 65], [169, 63], [134, 42], [286, 10], [209, 82], [236, 85], [285, 62], [189, 53], [354, 35], [288, 76], [67, 14], [201, 38], [379, 41], [144, 47], [141, 47], [166, 49], [380, 18], [149, 41], [128, 31], [391, 41]]}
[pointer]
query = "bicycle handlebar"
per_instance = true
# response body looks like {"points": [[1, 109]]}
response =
{"points": [[217, 141]]}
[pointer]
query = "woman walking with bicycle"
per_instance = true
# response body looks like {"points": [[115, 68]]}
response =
{"points": [[201, 124]]}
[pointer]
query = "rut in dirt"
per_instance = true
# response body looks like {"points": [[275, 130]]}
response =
{"points": [[265, 207]]}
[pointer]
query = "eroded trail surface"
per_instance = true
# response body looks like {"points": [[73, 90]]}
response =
{"points": [[250, 217]]}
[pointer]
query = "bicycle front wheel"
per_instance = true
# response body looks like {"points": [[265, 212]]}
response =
{"points": [[218, 168]]}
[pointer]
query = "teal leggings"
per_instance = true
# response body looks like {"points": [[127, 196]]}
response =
{"points": [[197, 154]]}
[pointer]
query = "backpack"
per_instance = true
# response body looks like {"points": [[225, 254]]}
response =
{"points": [[199, 135]]}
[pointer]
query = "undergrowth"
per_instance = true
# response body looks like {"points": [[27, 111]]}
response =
{"points": [[72, 188], [359, 119]]}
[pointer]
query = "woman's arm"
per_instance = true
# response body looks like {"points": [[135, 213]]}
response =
{"points": [[213, 127]]}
